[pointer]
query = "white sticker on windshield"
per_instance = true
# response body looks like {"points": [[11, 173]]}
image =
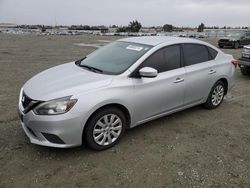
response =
{"points": [[136, 48]]}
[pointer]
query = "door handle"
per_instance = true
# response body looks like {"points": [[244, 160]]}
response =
{"points": [[178, 80], [211, 72]]}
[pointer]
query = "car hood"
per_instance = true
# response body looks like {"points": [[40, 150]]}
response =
{"points": [[64, 80]]}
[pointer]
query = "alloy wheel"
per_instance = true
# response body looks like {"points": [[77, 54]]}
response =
{"points": [[107, 129], [217, 95]]}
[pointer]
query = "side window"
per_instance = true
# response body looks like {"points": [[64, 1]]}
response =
{"points": [[212, 52], [248, 35], [172, 56], [165, 59], [155, 61], [195, 53]]}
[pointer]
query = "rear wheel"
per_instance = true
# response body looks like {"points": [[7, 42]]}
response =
{"points": [[221, 46], [105, 128], [216, 95]]}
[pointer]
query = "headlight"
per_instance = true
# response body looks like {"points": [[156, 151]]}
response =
{"points": [[55, 107]]}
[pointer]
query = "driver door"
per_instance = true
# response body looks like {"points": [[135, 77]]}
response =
{"points": [[164, 93]]}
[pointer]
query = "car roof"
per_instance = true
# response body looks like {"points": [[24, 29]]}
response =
{"points": [[156, 40]]}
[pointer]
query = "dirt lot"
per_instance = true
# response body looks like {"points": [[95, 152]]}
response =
{"points": [[193, 148]]}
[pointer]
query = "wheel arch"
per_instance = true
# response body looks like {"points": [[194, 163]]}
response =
{"points": [[117, 105], [222, 79], [225, 81]]}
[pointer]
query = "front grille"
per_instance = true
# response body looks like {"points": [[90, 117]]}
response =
{"points": [[246, 50], [25, 100], [245, 59], [28, 103]]}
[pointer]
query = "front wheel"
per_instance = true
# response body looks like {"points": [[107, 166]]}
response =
{"points": [[105, 128], [216, 95]]}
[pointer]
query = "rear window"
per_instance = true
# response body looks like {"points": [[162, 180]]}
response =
{"points": [[195, 53]]}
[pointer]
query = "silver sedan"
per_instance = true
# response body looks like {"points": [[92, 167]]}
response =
{"points": [[122, 85]]}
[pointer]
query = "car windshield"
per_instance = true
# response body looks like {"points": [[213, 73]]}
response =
{"points": [[114, 58]]}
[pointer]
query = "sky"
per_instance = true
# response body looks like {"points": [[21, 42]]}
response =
{"points": [[121, 12]]}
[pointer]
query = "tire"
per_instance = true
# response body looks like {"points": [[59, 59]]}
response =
{"points": [[244, 71], [216, 95], [236, 45], [106, 135], [221, 46]]}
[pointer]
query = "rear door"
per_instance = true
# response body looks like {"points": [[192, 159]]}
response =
{"points": [[200, 72]]}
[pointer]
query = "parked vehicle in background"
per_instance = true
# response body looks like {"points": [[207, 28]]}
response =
{"points": [[124, 84], [235, 40], [244, 61], [202, 35]]}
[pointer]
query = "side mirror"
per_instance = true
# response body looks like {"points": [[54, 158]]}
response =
{"points": [[148, 72]]}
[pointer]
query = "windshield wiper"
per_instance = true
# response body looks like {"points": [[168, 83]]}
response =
{"points": [[79, 61], [90, 68]]}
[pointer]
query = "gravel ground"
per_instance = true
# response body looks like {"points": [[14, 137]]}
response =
{"points": [[192, 148]]}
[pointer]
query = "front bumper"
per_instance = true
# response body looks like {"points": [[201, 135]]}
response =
{"points": [[244, 62], [61, 131]]}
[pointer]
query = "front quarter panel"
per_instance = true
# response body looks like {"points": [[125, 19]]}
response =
{"points": [[119, 92]]}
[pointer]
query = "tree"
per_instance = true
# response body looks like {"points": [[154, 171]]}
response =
{"points": [[201, 27], [134, 26], [168, 28], [43, 28], [122, 29]]}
